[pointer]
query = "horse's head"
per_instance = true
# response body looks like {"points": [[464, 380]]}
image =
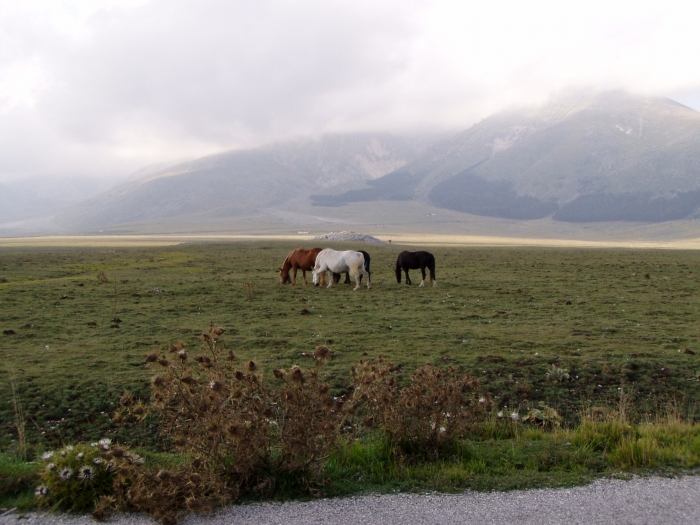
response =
{"points": [[316, 278], [284, 276]]}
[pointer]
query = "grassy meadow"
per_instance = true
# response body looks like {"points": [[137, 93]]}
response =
{"points": [[615, 319]]}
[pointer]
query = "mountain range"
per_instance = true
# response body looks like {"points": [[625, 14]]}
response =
{"points": [[582, 158], [604, 157]]}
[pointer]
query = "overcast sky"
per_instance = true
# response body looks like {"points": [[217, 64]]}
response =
{"points": [[102, 88]]}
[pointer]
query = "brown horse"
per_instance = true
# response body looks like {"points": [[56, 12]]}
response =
{"points": [[299, 259]]}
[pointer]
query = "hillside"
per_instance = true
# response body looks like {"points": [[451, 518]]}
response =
{"points": [[605, 157], [243, 182]]}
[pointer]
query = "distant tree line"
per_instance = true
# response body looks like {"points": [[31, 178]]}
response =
{"points": [[472, 194], [469, 193], [597, 207], [395, 186]]}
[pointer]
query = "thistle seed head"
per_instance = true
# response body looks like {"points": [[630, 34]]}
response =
{"points": [[321, 353], [127, 399], [297, 374], [195, 478]]}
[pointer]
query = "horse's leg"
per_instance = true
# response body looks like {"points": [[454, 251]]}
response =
{"points": [[422, 271], [303, 272], [295, 268], [432, 274], [366, 273], [408, 279], [347, 278], [323, 278]]}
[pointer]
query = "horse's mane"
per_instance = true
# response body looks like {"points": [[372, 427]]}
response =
{"points": [[289, 255]]}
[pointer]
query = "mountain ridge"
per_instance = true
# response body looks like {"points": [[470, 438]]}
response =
{"points": [[607, 145]]}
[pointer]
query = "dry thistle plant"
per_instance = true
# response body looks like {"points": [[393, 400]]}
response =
{"points": [[244, 434], [425, 418], [102, 277], [164, 494]]}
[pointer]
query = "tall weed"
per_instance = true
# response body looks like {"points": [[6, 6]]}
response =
{"points": [[426, 418]]}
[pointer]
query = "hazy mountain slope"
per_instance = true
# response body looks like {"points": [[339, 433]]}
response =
{"points": [[240, 182], [337, 160], [246, 179], [43, 196], [583, 158]]}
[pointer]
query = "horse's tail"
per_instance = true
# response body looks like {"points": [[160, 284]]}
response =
{"points": [[431, 267], [398, 269], [357, 264], [367, 261]]}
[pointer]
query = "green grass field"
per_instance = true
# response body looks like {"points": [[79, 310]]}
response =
{"points": [[614, 318]]}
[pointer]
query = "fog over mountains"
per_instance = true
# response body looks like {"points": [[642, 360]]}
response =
{"points": [[583, 158], [606, 157]]}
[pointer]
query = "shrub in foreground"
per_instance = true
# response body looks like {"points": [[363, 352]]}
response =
{"points": [[426, 418], [245, 436], [75, 477]]}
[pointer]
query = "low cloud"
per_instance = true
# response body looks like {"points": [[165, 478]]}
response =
{"points": [[102, 90]]}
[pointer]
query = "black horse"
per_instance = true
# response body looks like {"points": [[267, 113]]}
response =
{"points": [[336, 276], [413, 261]]}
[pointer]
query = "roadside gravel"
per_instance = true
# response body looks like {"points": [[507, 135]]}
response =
{"points": [[647, 501]]}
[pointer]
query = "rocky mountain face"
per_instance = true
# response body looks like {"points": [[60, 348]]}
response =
{"points": [[582, 158], [240, 182]]}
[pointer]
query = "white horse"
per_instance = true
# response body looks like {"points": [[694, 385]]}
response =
{"points": [[339, 262]]}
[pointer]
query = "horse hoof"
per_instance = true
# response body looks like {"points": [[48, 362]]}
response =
{"points": [[434, 283]]}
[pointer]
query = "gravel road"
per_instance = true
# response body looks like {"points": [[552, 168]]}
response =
{"points": [[640, 501]]}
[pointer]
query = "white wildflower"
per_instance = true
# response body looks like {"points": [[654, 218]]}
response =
{"points": [[47, 455], [500, 414], [105, 443], [65, 474], [514, 416], [81, 455], [51, 466], [98, 461], [41, 491], [482, 400], [86, 473]]}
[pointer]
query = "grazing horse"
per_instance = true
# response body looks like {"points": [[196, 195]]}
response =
{"points": [[336, 276], [339, 262], [413, 261], [299, 259]]}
